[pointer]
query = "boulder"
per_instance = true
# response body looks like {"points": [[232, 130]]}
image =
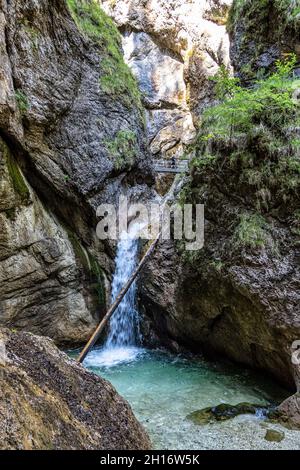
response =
{"points": [[48, 401]]}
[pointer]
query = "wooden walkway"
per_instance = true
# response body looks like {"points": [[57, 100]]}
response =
{"points": [[169, 166]]}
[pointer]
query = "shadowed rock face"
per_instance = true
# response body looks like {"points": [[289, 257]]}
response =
{"points": [[173, 47], [48, 401], [255, 43], [57, 126]]}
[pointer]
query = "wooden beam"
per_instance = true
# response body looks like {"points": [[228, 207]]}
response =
{"points": [[117, 302]]}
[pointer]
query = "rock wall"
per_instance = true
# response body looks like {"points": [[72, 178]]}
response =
{"points": [[42, 287], [261, 33], [173, 47], [71, 138], [43, 407]]}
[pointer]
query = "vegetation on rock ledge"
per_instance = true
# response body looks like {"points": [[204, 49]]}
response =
{"points": [[116, 78], [249, 144], [123, 149], [256, 12], [255, 132]]}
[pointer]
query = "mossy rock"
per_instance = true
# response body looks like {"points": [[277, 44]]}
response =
{"points": [[90, 266], [225, 411], [16, 177], [116, 78], [274, 436]]}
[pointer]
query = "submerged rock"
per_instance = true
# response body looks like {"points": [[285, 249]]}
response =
{"points": [[274, 436], [48, 401]]}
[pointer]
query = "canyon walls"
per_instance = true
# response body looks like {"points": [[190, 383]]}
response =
{"points": [[71, 138]]}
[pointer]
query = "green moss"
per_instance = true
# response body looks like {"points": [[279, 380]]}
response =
{"points": [[79, 251], [22, 100], [97, 279], [251, 232], [91, 267], [16, 177], [32, 32], [123, 149], [116, 78]]}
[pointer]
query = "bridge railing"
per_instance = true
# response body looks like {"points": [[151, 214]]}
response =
{"points": [[171, 165]]}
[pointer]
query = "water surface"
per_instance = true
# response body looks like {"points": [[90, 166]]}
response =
{"points": [[163, 389]]}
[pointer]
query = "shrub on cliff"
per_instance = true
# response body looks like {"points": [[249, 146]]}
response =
{"points": [[254, 134]]}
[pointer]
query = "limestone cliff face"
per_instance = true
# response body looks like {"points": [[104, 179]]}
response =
{"points": [[48, 402], [173, 47], [42, 286], [71, 138]]}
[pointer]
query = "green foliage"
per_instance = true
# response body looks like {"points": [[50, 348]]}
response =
{"points": [[123, 149], [269, 102], [204, 161], [22, 101], [226, 85], [116, 78], [250, 232], [253, 132], [217, 264]]}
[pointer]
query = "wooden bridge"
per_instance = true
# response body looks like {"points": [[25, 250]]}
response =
{"points": [[171, 166]]}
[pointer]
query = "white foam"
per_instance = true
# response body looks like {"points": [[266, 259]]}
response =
{"points": [[109, 357]]}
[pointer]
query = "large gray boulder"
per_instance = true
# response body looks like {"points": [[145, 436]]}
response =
{"points": [[48, 401]]}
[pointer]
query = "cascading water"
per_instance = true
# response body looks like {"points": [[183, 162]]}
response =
{"points": [[124, 324], [122, 343]]}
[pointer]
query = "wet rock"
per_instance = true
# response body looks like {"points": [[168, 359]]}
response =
{"points": [[48, 401], [274, 436], [224, 411]]}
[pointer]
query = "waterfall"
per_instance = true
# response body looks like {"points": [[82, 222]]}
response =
{"points": [[124, 324], [123, 340]]}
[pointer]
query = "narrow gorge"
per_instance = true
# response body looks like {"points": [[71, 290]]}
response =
{"points": [[94, 94]]}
